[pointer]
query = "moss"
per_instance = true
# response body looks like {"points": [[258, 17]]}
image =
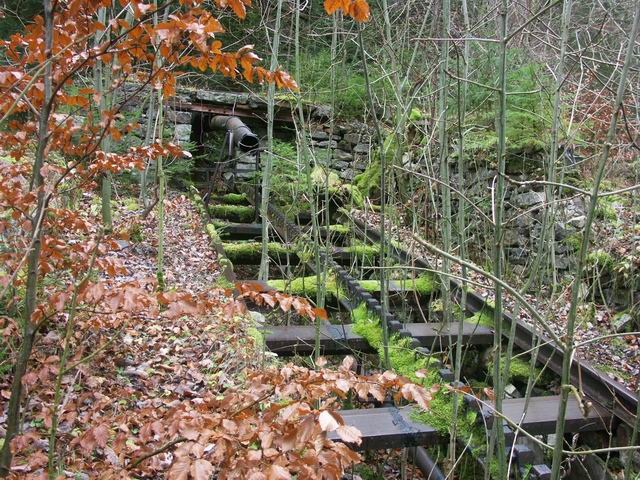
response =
{"points": [[519, 369], [257, 336], [365, 253], [339, 229], [308, 287], [222, 282], [606, 212], [354, 193], [233, 213], [371, 286], [251, 252], [232, 199], [213, 233], [425, 284], [574, 242], [483, 318], [401, 356], [437, 306], [405, 362], [131, 204], [368, 181], [600, 259]]}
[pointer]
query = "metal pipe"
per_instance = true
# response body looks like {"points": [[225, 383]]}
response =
{"points": [[426, 464], [243, 137]]}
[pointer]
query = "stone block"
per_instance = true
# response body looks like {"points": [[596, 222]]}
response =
{"points": [[578, 222], [319, 135], [352, 138], [529, 199], [361, 148], [346, 146], [348, 174], [339, 165], [342, 156], [182, 133], [174, 116], [326, 144]]}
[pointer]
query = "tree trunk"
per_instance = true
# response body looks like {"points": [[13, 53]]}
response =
{"points": [[263, 274], [29, 329]]}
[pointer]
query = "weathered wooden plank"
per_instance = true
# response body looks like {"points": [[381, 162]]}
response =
{"points": [[340, 339], [542, 415], [388, 427]]}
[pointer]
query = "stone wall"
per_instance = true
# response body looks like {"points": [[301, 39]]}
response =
{"points": [[347, 151]]}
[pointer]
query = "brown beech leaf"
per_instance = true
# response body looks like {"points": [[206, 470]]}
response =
{"points": [[489, 393], [180, 469], [201, 469], [276, 472], [321, 362], [348, 362], [349, 434], [328, 422]]}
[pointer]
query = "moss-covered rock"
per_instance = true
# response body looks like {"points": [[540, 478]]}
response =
{"points": [[233, 213]]}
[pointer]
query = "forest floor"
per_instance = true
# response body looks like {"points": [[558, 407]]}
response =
{"points": [[618, 357], [143, 367]]}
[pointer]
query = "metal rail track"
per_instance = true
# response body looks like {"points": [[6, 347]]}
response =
{"points": [[611, 398], [596, 385]]}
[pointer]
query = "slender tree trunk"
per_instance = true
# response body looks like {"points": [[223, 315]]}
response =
{"points": [[497, 434], [444, 160], [263, 274], [555, 131], [383, 193], [303, 152], [586, 237], [462, 107], [161, 195], [102, 82], [29, 328]]}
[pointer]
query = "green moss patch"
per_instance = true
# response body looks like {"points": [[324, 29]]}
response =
{"points": [[406, 362], [519, 369], [425, 284], [233, 213], [232, 199], [365, 253], [339, 229], [249, 253], [483, 318], [308, 287]]}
